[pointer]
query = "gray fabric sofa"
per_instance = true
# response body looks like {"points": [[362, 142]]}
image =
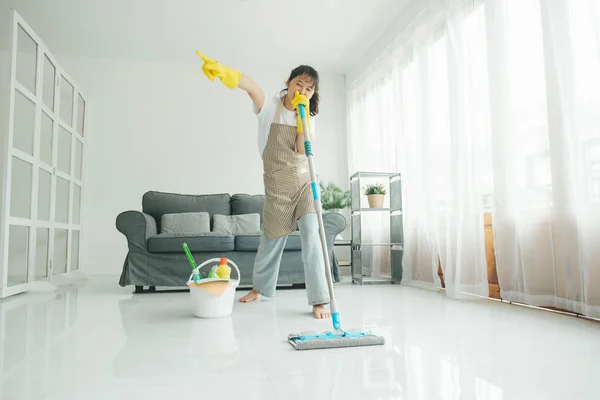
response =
{"points": [[157, 259]]}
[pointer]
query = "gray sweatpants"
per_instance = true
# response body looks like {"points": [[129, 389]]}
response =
{"points": [[268, 258]]}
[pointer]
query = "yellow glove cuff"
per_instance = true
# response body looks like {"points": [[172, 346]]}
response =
{"points": [[301, 99], [230, 77]]}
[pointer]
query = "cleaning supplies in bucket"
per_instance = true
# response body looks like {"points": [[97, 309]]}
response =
{"points": [[222, 270], [212, 297]]}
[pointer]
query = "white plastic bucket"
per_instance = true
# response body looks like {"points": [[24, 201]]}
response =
{"points": [[209, 305]]}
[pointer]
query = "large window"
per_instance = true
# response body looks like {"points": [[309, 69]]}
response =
{"points": [[442, 92], [496, 107]]}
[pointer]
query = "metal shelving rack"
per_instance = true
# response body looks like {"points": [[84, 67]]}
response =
{"points": [[393, 207]]}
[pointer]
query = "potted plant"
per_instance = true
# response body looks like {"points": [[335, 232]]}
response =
{"points": [[375, 193], [333, 198]]}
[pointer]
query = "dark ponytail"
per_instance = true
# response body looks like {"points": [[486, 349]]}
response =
{"points": [[314, 75]]}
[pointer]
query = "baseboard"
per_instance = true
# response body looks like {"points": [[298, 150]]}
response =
{"points": [[184, 289]]}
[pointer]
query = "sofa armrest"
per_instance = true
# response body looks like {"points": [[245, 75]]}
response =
{"points": [[334, 225], [137, 227]]}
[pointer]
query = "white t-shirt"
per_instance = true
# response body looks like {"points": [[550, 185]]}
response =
{"points": [[266, 118]]}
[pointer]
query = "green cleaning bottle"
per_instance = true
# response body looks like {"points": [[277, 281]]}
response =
{"points": [[213, 272]]}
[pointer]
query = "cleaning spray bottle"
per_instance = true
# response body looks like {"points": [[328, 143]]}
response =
{"points": [[212, 274], [224, 270]]}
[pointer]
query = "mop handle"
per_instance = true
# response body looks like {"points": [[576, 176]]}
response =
{"points": [[335, 315]]}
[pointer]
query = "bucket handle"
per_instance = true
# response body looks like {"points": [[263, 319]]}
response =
{"points": [[218, 260]]}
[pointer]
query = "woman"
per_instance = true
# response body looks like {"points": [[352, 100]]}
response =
{"points": [[288, 196]]}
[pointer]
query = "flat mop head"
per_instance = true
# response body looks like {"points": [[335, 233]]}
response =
{"points": [[331, 340]]}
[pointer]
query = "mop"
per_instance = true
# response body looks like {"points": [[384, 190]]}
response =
{"points": [[338, 337]]}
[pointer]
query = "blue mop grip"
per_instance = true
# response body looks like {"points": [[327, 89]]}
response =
{"points": [[308, 148]]}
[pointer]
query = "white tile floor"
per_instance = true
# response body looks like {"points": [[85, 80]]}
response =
{"points": [[99, 341]]}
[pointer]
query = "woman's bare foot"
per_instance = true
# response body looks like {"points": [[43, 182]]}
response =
{"points": [[321, 312], [253, 295]]}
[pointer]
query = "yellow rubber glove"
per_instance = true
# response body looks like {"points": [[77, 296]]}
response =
{"points": [[301, 99], [212, 69]]}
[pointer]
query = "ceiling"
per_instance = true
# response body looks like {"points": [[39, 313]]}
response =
{"points": [[328, 34]]}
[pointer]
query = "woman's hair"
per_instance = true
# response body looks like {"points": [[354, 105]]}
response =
{"points": [[314, 75]]}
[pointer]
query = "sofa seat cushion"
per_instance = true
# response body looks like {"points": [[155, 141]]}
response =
{"points": [[172, 242], [251, 242]]}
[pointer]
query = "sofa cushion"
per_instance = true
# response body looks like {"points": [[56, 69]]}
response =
{"points": [[172, 242], [192, 222], [243, 224], [247, 204], [158, 203], [251, 242]]}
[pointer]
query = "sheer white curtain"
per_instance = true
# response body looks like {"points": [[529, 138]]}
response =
{"points": [[546, 170], [409, 116], [492, 106], [371, 138]]}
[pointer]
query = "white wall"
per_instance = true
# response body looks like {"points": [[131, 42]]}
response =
{"points": [[393, 31], [164, 126]]}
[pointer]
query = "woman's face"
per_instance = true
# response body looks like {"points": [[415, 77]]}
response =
{"points": [[303, 84]]}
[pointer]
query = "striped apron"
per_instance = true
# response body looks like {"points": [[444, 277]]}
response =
{"points": [[288, 195]]}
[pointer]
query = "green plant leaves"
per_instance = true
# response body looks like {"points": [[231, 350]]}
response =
{"points": [[375, 189], [333, 197]]}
